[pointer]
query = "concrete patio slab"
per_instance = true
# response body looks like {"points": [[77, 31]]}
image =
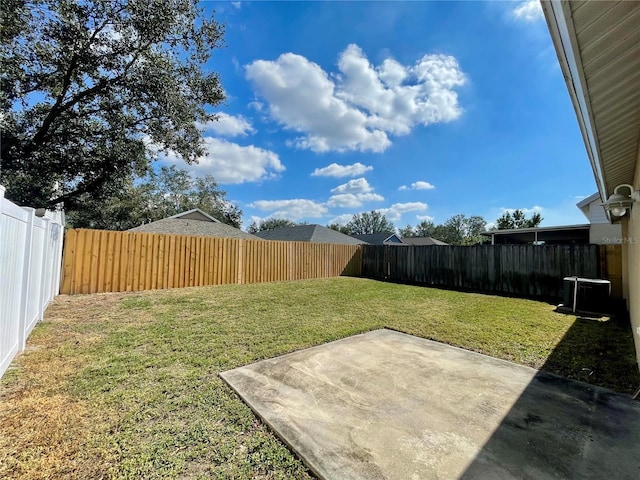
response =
{"points": [[386, 405]]}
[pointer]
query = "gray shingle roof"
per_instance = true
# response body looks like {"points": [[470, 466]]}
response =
{"points": [[423, 241], [206, 226], [308, 233], [382, 238]]}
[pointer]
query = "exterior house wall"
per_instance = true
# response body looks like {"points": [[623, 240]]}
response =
{"points": [[597, 213], [605, 234], [601, 232], [632, 243]]}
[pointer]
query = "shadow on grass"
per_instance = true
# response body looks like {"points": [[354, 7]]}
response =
{"points": [[597, 351], [562, 428]]}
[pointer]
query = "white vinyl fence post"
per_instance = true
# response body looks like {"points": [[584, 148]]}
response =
{"points": [[1, 202], [58, 253], [45, 280], [26, 273]]}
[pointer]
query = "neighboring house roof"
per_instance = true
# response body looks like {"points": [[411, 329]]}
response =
{"points": [[195, 214], [592, 208], [423, 241], [308, 233], [564, 234], [193, 222], [382, 238]]}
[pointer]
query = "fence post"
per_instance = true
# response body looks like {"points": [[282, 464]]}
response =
{"points": [[59, 247], [26, 273], [239, 272], [45, 279], [1, 202]]}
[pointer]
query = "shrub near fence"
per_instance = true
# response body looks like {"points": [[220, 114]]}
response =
{"points": [[524, 270], [30, 252], [108, 261]]}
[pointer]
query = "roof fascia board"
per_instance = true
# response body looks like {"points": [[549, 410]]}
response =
{"points": [[587, 200], [178, 215]]}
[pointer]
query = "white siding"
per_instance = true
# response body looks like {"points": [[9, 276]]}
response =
{"points": [[597, 213]]}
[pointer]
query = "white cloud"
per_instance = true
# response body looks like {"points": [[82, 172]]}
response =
{"points": [[353, 194], [293, 209], [341, 219], [419, 185], [427, 98], [395, 211], [256, 105], [526, 211], [338, 171], [351, 200], [302, 97], [529, 11], [359, 107], [228, 126], [232, 163], [357, 185], [428, 218], [237, 5]]}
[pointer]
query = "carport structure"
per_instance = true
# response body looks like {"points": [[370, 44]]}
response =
{"points": [[562, 235]]}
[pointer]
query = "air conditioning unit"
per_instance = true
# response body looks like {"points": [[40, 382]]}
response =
{"points": [[587, 295]]}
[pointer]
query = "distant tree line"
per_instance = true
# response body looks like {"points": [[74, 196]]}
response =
{"points": [[457, 230], [159, 194], [517, 219], [271, 224]]}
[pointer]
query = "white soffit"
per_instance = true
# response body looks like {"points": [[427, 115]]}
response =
{"points": [[598, 44]]}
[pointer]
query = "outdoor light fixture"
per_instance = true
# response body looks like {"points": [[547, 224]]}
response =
{"points": [[618, 203]]}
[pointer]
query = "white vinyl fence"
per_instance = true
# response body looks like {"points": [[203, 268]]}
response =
{"points": [[30, 261]]}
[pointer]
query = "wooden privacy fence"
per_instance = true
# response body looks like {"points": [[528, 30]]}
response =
{"points": [[526, 270], [611, 267], [108, 261]]}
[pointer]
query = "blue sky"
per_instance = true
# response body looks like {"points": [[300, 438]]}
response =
{"points": [[422, 110]]}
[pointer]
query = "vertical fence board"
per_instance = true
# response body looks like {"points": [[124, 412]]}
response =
{"points": [[69, 256]]}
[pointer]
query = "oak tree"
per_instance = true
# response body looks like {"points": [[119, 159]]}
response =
{"points": [[90, 91]]}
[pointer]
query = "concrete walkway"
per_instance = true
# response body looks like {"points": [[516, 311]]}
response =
{"points": [[386, 405]]}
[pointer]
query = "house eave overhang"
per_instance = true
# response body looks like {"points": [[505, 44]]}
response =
{"points": [[599, 53], [565, 43]]}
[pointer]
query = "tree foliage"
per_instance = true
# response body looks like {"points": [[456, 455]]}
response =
{"points": [[517, 219], [271, 224], [457, 230], [369, 222], [425, 228], [158, 195], [92, 90], [339, 228]]}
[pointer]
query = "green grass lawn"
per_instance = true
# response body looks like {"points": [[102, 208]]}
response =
{"points": [[126, 385]]}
